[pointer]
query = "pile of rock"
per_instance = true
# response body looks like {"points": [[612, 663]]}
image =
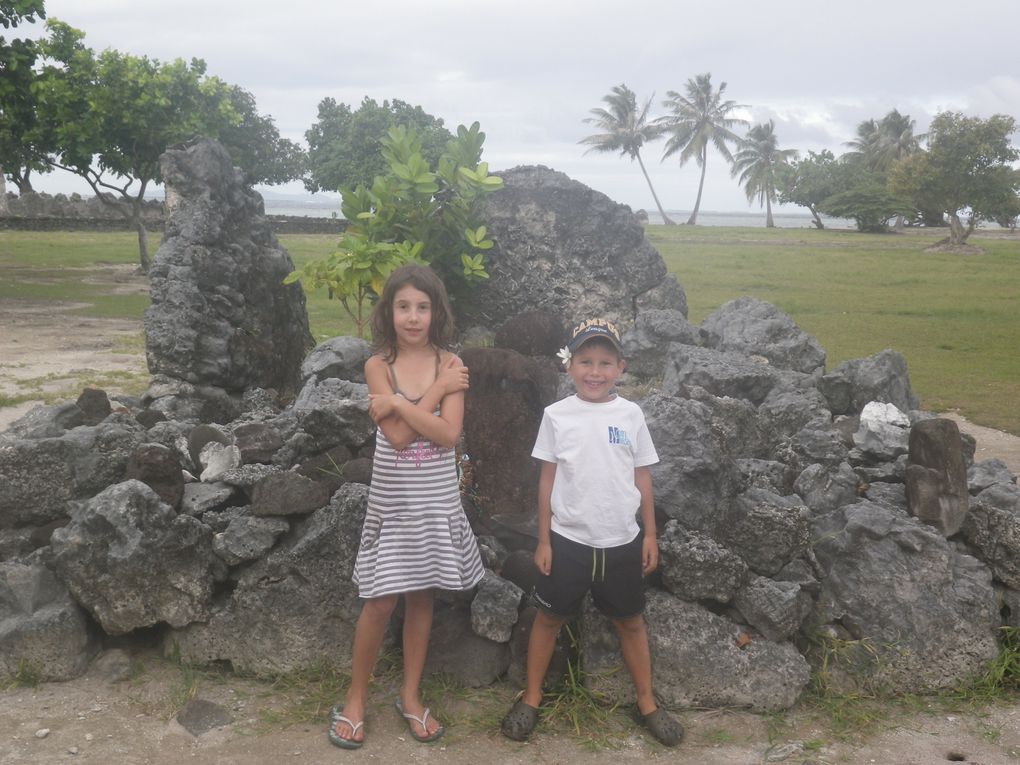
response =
{"points": [[75, 206]]}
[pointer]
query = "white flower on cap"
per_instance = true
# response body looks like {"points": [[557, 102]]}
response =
{"points": [[564, 354]]}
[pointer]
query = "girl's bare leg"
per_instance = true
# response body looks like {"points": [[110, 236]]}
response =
{"points": [[368, 637], [417, 626]]}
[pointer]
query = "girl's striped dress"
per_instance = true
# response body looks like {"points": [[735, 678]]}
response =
{"points": [[416, 535]]}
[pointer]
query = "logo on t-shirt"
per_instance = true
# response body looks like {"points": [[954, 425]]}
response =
{"points": [[618, 436]]}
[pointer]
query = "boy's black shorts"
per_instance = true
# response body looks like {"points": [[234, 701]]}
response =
{"points": [[612, 574]]}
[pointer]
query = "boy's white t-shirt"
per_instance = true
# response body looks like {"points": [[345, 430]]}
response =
{"points": [[596, 448]]}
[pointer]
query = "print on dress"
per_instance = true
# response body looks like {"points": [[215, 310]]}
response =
{"points": [[422, 450]]}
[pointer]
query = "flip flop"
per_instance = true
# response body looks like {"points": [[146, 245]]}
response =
{"points": [[410, 719], [335, 716], [519, 722]]}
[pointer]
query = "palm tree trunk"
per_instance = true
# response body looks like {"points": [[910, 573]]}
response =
{"points": [[665, 218], [701, 185], [4, 209], [769, 223]]}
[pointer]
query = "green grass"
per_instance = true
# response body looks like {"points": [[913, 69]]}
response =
{"points": [[956, 318]]}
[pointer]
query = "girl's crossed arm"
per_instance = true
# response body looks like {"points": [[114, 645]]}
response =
{"points": [[401, 421]]}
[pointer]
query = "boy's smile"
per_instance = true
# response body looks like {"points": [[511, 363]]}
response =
{"points": [[595, 370]]}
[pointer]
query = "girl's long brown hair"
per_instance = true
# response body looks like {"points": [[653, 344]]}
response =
{"points": [[441, 328]]}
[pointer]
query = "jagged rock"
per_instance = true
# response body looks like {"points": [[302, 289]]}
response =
{"points": [[883, 433], [248, 538], [921, 615], [532, 333], [199, 436], [818, 442], [564, 248], [220, 313], [94, 405], [329, 468], [218, 520], [750, 326], [294, 608], [257, 442], [693, 479], [891, 495], [45, 422], [158, 468], [882, 377], [825, 488], [133, 562], [936, 478], [40, 625], [40, 476], [199, 498], [697, 660], [774, 476], [334, 412], [721, 373], [981, 475], [340, 357], [1011, 601], [785, 411], [735, 424], [246, 476], [869, 472], [766, 530], [645, 345], [288, 493], [217, 460], [775, 609], [696, 567], [457, 651], [182, 401], [992, 528], [494, 608]]}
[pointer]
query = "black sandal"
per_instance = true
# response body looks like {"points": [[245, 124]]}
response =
{"points": [[519, 721], [662, 725]]}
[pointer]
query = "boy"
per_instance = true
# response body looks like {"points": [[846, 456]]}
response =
{"points": [[595, 450]]}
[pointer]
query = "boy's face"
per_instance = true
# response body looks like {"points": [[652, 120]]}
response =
{"points": [[594, 369]]}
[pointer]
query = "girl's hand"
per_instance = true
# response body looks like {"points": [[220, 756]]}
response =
{"points": [[452, 377], [382, 405], [543, 558]]}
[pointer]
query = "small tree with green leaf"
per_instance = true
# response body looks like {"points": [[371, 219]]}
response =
{"points": [[412, 212]]}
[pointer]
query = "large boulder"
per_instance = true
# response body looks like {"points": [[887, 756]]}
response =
{"points": [[936, 477], [644, 346], [133, 562], [341, 357], [721, 373], [220, 313], [915, 613], [992, 528], [882, 377], [564, 248], [750, 326]]}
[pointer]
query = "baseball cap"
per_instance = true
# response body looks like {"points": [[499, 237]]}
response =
{"points": [[590, 328]]}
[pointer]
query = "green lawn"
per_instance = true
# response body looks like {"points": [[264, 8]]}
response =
{"points": [[956, 318]]}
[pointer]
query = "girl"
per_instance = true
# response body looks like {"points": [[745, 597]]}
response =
{"points": [[416, 536]]}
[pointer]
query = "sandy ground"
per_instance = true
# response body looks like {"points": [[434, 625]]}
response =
{"points": [[94, 720]]}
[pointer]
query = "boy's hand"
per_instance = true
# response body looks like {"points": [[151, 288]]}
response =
{"points": [[543, 558], [382, 405], [452, 377], [649, 555]]}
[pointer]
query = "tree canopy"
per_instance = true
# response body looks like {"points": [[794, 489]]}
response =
{"points": [[17, 103], [808, 182], [758, 162], [344, 144]]}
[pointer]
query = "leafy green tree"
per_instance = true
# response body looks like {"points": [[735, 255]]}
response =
{"points": [[758, 162], [965, 172], [625, 129], [17, 105], [699, 117], [344, 144], [808, 182], [255, 144], [883, 143], [413, 211], [863, 196]]}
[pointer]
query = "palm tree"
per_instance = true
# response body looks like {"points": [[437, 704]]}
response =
{"points": [[626, 130], [700, 117], [758, 160], [881, 144]]}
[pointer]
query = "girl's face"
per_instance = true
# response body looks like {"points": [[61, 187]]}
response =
{"points": [[412, 316], [594, 370]]}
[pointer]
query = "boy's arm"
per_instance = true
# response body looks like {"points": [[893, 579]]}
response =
{"points": [[543, 552], [650, 545]]}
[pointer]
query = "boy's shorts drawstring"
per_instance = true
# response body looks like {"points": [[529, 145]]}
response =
{"points": [[595, 564]]}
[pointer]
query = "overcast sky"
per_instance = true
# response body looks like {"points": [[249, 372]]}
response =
{"points": [[530, 71]]}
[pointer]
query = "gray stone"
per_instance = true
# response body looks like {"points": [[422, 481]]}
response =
{"points": [[868, 472], [246, 476], [41, 627], [183, 401], [494, 608], [199, 498], [293, 609], [644, 346], [992, 528], [777, 477], [891, 495], [750, 326], [882, 377], [696, 660], [288, 493], [217, 459], [220, 313], [766, 530], [247, 538], [921, 615], [1011, 601], [818, 442], [883, 433], [334, 412], [94, 405], [219, 520], [936, 477], [46, 421], [203, 434], [981, 475], [159, 468], [825, 488], [736, 426], [340, 357], [696, 567], [785, 411], [721, 373], [775, 609], [257, 442], [113, 666], [201, 716], [563, 248], [455, 650], [133, 562]]}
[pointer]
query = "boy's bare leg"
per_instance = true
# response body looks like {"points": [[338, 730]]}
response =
{"points": [[541, 644], [634, 646], [417, 626], [368, 637]]}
